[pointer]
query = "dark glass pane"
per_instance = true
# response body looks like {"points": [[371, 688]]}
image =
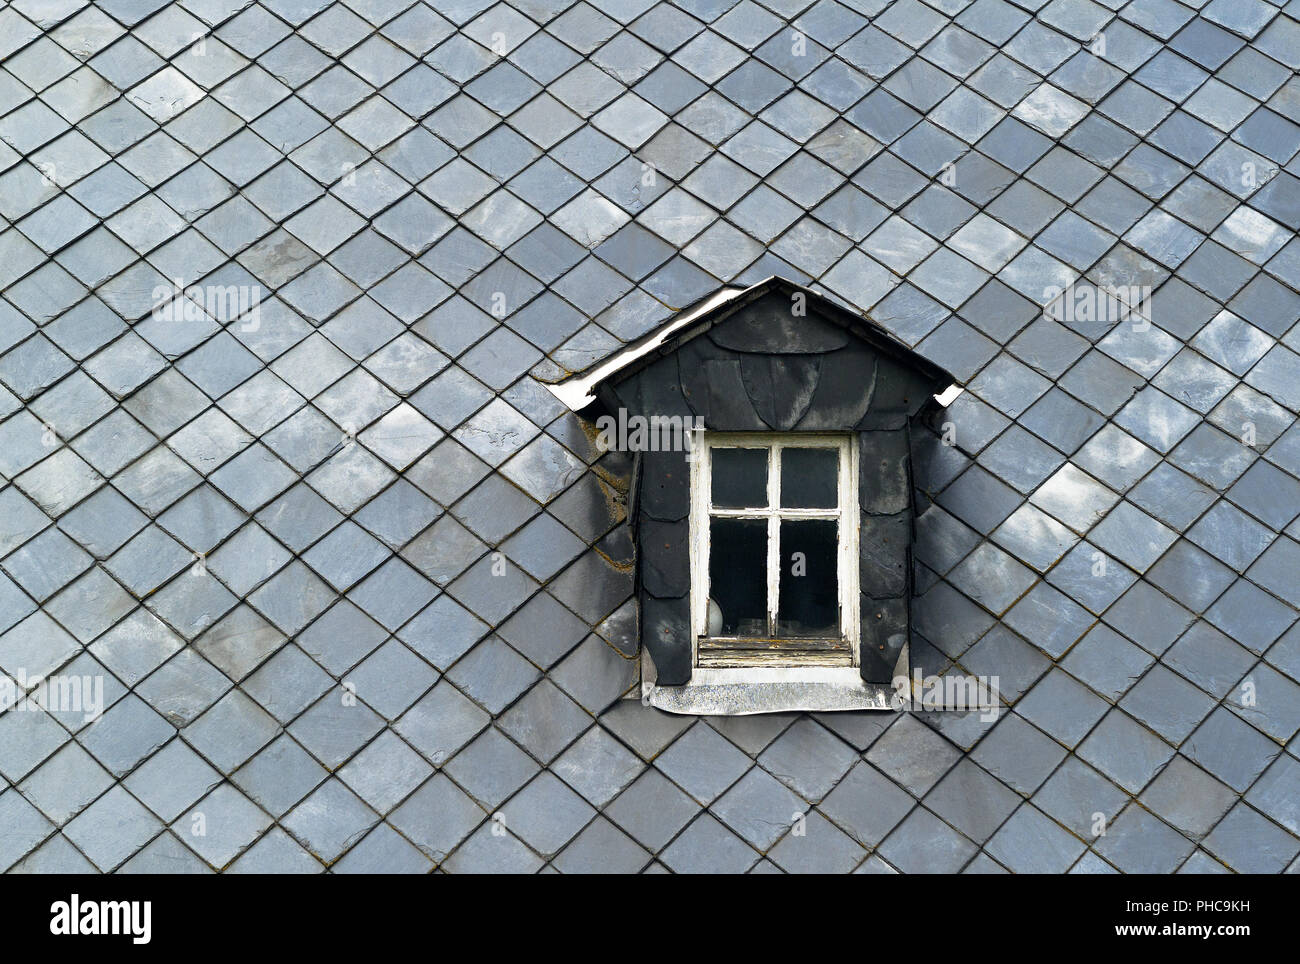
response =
{"points": [[738, 576], [808, 478], [739, 478], [809, 601]]}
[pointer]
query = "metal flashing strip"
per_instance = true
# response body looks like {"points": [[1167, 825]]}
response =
{"points": [[577, 392], [744, 692]]}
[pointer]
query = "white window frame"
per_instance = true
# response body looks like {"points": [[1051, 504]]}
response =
{"points": [[846, 512]]}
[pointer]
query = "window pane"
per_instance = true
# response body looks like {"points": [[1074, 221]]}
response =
{"points": [[738, 576], [739, 478], [809, 602], [808, 478]]}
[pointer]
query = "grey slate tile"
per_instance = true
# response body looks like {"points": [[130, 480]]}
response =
{"points": [[972, 801], [1091, 577], [1149, 618], [165, 854], [1048, 619], [912, 754], [1208, 658], [1029, 841], [546, 814], [1251, 615], [1188, 797], [703, 763], [111, 829], [979, 499], [491, 768], [329, 821], [1230, 749], [382, 848], [1138, 842], [601, 848], [706, 846], [758, 808], [652, 810], [1061, 707], [924, 844], [818, 847], [230, 822], [1265, 699], [1249, 843], [597, 766], [1002, 653], [1018, 754], [485, 852]]}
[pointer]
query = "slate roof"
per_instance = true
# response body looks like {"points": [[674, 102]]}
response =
{"points": [[224, 520]]}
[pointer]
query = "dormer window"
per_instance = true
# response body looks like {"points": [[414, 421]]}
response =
{"points": [[773, 552], [774, 524]]}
